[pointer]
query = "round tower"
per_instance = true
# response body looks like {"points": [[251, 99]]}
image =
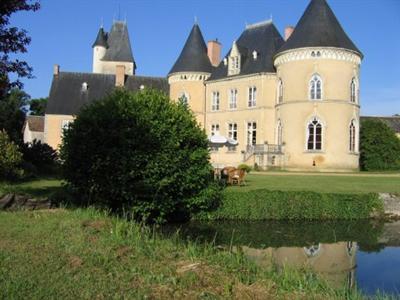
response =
{"points": [[99, 50], [317, 104], [191, 69]]}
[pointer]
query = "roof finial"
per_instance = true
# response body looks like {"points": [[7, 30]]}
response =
{"points": [[270, 17], [196, 22], [101, 23]]}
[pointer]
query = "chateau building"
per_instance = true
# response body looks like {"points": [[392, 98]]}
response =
{"points": [[289, 102]]}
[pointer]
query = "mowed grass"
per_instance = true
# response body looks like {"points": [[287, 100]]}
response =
{"points": [[86, 254], [325, 183], [35, 188]]}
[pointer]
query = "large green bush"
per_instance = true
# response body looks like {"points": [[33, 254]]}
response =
{"points": [[379, 147], [41, 156], [10, 158], [141, 153]]}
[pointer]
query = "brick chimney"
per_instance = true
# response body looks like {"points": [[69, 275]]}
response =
{"points": [[120, 76], [288, 32], [56, 70], [214, 52]]}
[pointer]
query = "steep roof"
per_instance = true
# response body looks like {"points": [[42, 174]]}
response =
{"points": [[263, 38], [35, 123], [392, 122], [119, 46], [193, 57], [319, 27], [67, 96], [101, 39]]}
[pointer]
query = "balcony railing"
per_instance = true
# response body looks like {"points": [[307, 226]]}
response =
{"points": [[264, 149]]}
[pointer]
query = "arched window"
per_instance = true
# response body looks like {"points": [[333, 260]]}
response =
{"points": [[353, 90], [314, 135], [279, 133], [184, 98], [352, 135], [316, 87], [280, 91]]}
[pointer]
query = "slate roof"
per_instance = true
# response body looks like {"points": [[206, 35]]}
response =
{"points": [[263, 38], [67, 96], [193, 57], [319, 27], [35, 123], [119, 46], [392, 122], [101, 39]]}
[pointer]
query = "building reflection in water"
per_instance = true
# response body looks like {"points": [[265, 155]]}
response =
{"points": [[334, 262]]}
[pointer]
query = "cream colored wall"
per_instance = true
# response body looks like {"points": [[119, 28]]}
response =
{"points": [[334, 110], [194, 88], [53, 129], [109, 67], [263, 113], [98, 54]]}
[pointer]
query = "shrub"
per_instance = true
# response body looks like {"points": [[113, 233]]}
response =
{"points": [[379, 147], [262, 204], [10, 158], [245, 167], [141, 152], [41, 156]]}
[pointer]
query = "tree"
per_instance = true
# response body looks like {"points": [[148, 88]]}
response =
{"points": [[10, 158], [12, 41], [141, 153], [37, 107], [379, 146], [12, 114]]}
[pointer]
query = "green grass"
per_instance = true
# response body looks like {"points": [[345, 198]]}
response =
{"points": [[35, 188], [85, 254], [323, 183]]}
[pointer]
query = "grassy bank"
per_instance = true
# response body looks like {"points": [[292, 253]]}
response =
{"points": [[264, 204], [86, 254], [35, 188]]}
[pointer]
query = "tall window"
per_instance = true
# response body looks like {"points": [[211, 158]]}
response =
{"points": [[233, 99], [352, 135], [234, 65], [280, 91], [251, 133], [252, 96], [232, 131], [314, 135], [215, 101], [214, 129], [279, 133], [184, 98], [353, 90], [316, 87]]}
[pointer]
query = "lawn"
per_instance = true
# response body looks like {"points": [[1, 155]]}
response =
{"points": [[325, 183], [35, 188], [86, 254]]}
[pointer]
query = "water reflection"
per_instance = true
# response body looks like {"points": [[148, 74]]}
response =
{"points": [[341, 252]]}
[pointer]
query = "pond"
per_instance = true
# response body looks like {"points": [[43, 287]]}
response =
{"points": [[356, 254]]}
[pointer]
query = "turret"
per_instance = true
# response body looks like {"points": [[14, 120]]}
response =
{"points": [[99, 50], [189, 72], [317, 90]]}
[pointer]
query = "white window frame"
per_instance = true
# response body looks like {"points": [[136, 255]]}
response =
{"points": [[279, 98], [65, 124], [313, 87], [233, 131], [251, 129], [314, 141], [252, 96], [214, 129], [215, 101], [234, 65], [354, 90], [233, 95]]}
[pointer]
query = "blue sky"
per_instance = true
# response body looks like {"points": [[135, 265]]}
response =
{"points": [[63, 31]]}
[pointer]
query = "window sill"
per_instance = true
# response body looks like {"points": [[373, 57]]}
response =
{"points": [[314, 152], [354, 153]]}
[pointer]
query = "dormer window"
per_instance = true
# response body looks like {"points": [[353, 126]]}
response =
{"points": [[234, 60], [255, 54], [85, 87]]}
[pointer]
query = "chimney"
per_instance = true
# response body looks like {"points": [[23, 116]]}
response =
{"points": [[288, 32], [120, 76], [56, 70], [214, 52]]}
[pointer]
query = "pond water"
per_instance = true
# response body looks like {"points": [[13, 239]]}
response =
{"points": [[356, 254]]}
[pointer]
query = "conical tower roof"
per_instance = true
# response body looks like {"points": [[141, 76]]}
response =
{"points": [[193, 57], [319, 27], [119, 45], [101, 39]]}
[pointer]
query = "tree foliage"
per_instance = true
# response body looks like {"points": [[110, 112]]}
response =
{"points": [[13, 40], [10, 157], [37, 107], [41, 156], [140, 152], [379, 146], [12, 113]]}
